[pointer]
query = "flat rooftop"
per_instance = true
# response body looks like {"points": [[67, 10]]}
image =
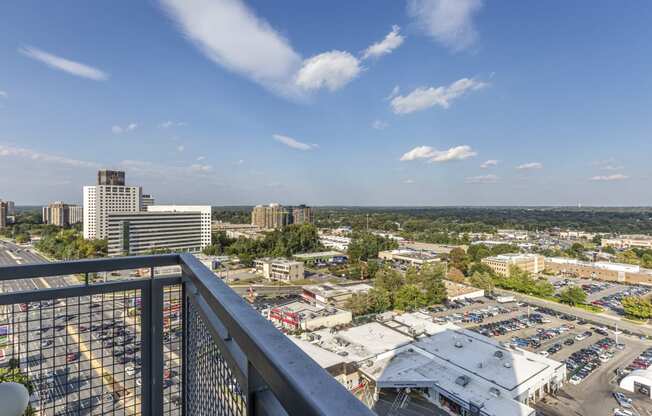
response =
{"points": [[330, 290], [307, 311], [319, 255], [457, 289]]}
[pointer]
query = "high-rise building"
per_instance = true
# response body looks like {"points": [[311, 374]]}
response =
{"points": [[102, 199], [302, 214], [145, 201], [3, 214], [110, 177], [204, 210], [11, 208], [61, 214], [274, 216], [76, 214], [175, 228]]}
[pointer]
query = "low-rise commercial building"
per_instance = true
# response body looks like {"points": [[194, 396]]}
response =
{"points": [[460, 371], [279, 269], [600, 270], [409, 257], [303, 316], [335, 242], [248, 231], [501, 264], [458, 291], [332, 294], [321, 257], [628, 241]]}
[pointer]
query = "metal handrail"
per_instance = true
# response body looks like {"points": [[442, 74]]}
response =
{"points": [[274, 364]]}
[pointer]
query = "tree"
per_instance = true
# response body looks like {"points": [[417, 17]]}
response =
{"points": [[597, 239], [459, 259], [482, 281], [455, 275], [572, 296], [388, 279], [409, 298], [365, 246], [637, 307], [379, 300], [358, 304]]}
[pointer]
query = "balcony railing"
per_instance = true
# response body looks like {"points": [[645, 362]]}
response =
{"points": [[181, 344]]}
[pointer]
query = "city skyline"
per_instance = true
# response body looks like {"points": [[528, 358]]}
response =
{"points": [[416, 103]]}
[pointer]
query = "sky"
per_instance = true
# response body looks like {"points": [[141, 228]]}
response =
{"points": [[372, 102]]}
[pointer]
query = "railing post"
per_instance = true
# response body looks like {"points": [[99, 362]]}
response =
{"points": [[146, 347], [157, 347], [184, 348]]}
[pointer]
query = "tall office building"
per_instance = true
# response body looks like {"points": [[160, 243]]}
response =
{"points": [[107, 197], [204, 210], [146, 201], [302, 214], [110, 177], [11, 208], [3, 214], [58, 213]]}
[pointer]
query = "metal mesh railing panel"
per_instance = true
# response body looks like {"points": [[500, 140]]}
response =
{"points": [[211, 389], [80, 355], [172, 350]]}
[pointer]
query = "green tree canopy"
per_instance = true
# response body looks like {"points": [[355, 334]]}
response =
{"points": [[637, 307]]}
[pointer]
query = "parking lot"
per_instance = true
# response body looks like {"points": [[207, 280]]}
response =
{"points": [[592, 353]]}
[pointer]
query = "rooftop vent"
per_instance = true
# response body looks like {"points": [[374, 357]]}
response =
{"points": [[494, 392], [458, 344], [507, 365], [462, 381], [498, 354]]}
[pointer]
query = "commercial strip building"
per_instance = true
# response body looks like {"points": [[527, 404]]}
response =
{"points": [[531, 263], [615, 272], [409, 257], [275, 216], [335, 242], [461, 371], [458, 291], [175, 228], [279, 269], [321, 257], [333, 294], [303, 316], [61, 214], [249, 231], [628, 241]]}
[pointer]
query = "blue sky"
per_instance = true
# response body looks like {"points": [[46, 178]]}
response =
{"points": [[417, 102]]}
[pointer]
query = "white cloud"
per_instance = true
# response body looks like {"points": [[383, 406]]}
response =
{"points": [[66, 65], [394, 93], [609, 178], [449, 22], [239, 162], [231, 35], [119, 130], [198, 167], [392, 41], [423, 98], [489, 163], [331, 70], [379, 124], [24, 153], [482, 179], [438, 156], [181, 148], [295, 144], [169, 123], [409, 181], [530, 166], [200, 158], [4, 94]]}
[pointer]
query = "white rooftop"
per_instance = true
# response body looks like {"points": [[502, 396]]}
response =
{"points": [[617, 267], [323, 357]]}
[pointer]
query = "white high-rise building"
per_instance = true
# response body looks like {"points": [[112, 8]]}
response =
{"points": [[204, 210], [100, 200]]}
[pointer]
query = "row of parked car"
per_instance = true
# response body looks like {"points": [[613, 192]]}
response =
{"points": [[642, 362], [583, 362], [613, 301]]}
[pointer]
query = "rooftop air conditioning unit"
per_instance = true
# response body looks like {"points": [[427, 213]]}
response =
{"points": [[494, 392], [499, 354], [462, 381]]}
